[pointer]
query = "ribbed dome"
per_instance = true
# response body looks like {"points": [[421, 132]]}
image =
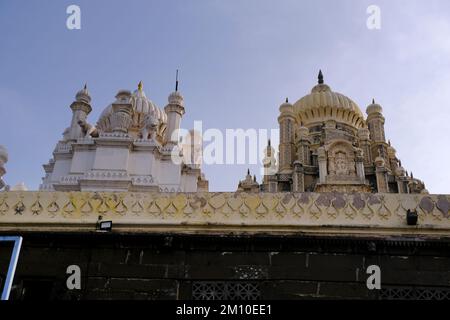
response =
{"points": [[141, 107], [323, 104]]}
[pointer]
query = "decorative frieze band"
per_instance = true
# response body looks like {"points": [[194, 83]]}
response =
{"points": [[271, 210]]}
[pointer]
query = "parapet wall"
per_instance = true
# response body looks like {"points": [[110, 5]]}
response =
{"points": [[273, 213]]}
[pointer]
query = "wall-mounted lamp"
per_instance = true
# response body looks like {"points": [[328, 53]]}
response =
{"points": [[411, 217], [104, 225]]}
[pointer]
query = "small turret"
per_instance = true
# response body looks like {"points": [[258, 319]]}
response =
{"points": [[286, 122], [175, 111], [80, 109], [375, 122], [249, 184]]}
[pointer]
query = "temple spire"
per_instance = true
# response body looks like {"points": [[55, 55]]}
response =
{"points": [[320, 77], [176, 81]]}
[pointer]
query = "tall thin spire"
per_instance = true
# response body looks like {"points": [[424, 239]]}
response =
{"points": [[176, 81], [320, 77]]}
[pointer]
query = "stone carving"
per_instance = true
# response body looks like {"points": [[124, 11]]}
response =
{"points": [[149, 127], [341, 161], [264, 211], [88, 129]]}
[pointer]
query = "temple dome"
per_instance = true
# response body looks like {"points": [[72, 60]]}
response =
{"points": [[323, 104], [141, 107]]}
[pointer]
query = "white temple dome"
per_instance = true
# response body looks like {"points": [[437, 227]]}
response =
{"points": [[140, 102], [323, 104], [141, 107]]}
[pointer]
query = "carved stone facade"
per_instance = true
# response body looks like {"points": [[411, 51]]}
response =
{"points": [[132, 148], [326, 145], [224, 212], [228, 245]]}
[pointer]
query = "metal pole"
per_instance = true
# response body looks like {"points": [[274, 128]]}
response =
{"points": [[12, 265]]}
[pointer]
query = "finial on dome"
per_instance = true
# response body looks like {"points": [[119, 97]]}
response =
{"points": [[373, 100], [254, 178], [140, 85], [287, 100], [248, 171], [85, 86], [389, 142], [176, 81], [268, 143], [320, 77]]}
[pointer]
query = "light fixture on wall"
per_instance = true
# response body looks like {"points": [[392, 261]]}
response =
{"points": [[105, 226], [411, 217]]}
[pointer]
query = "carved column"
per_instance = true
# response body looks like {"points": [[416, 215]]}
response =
{"points": [[269, 163], [303, 143], [298, 178], [381, 175], [359, 159], [286, 122], [322, 158], [273, 184], [363, 135], [122, 110]]}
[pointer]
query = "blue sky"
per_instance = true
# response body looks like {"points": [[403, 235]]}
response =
{"points": [[238, 60]]}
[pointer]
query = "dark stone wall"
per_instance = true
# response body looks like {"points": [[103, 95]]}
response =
{"points": [[163, 266]]}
